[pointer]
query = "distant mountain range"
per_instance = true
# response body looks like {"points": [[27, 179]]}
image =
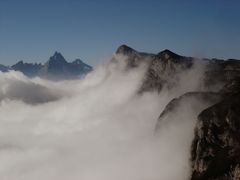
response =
{"points": [[56, 68]]}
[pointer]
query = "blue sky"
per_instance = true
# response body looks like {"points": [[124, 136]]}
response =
{"points": [[31, 30]]}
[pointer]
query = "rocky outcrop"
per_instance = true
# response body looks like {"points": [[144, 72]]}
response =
{"points": [[216, 146], [215, 150], [164, 68], [132, 57]]}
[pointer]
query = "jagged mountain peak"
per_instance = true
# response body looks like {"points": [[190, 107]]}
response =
{"points": [[57, 57], [56, 54], [56, 68], [19, 62], [126, 50], [168, 54]]}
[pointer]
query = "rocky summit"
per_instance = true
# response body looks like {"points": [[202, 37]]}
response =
{"points": [[215, 149]]}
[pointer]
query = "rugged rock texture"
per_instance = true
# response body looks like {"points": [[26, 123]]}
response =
{"points": [[216, 146], [221, 71], [215, 152], [133, 58], [164, 68]]}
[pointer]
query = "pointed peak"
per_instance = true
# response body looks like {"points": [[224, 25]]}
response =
{"points": [[168, 54], [78, 61], [126, 50], [57, 54], [167, 51], [57, 57], [19, 63]]}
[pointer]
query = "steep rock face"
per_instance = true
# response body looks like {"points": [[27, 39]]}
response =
{"points": [[216, 147], [133, 57], [176, 123], [215, 151], [203, 99], [164, 69], [221, 71]]}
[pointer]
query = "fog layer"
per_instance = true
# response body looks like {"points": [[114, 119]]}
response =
{"points": [[93, 128]]}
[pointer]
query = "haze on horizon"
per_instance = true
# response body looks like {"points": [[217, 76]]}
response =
{"points": [[33, 30]]}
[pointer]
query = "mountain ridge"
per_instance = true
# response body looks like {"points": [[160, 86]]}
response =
{"points": [[215, 148], [56, 68]]}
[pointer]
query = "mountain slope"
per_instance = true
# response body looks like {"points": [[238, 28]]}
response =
{"points": [[216, 145], [164, 68], [215, 149]]}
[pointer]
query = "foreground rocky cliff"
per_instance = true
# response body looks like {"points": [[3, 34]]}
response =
{"points": [[215, 149], [216, 145]]}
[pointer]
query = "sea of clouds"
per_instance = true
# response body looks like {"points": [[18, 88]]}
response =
{"points": [[94, 128]]}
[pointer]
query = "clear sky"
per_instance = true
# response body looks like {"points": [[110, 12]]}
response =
{"points": [[31, 30]]}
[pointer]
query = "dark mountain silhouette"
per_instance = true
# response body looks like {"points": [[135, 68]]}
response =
{"points": [[56, 68], [3, 68], [28, 69]]}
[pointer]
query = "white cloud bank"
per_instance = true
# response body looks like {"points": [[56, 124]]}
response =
{"points": [[95, 128]]}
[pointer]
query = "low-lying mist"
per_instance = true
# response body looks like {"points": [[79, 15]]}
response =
{"points": [[94, 128]]}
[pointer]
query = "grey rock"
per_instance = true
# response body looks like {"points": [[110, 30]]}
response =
{"points": [[216, 146]]}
